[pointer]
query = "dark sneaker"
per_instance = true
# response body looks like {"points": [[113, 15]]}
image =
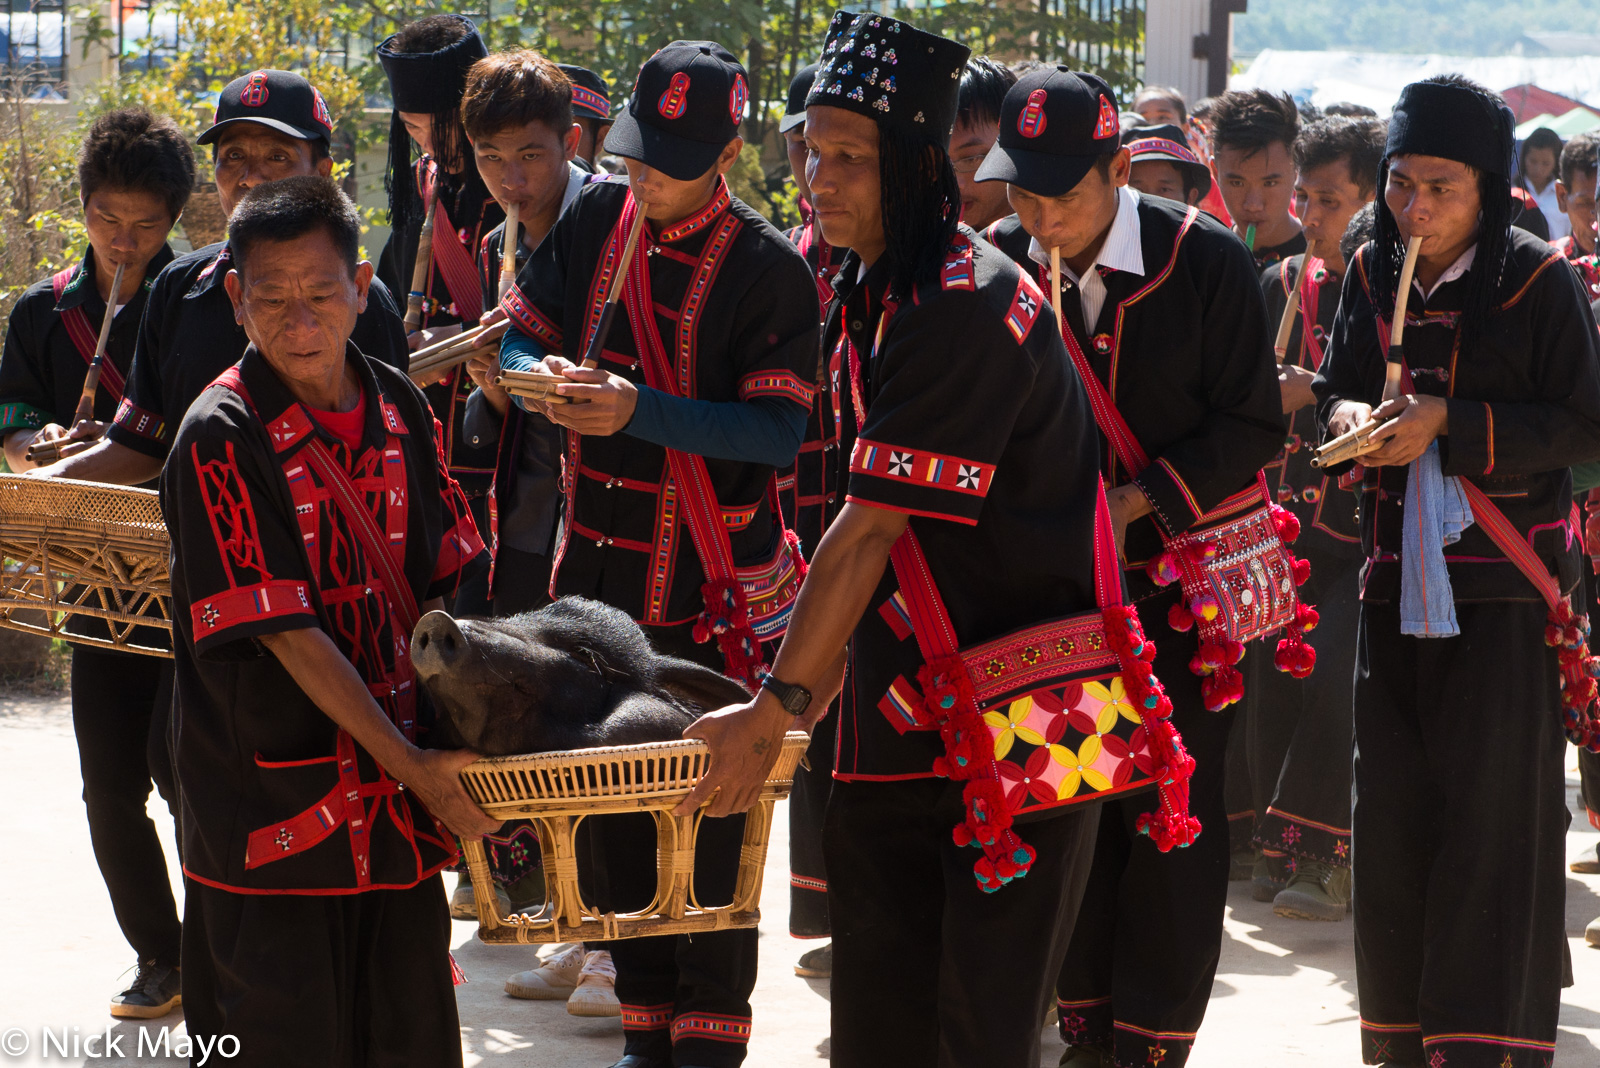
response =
{"points": [[1317, 892], [816, 963], [1263, 887], [1085, 1057], [153, 993]]}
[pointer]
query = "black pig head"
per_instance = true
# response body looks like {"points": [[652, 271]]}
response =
{"points": [[572, 675]]}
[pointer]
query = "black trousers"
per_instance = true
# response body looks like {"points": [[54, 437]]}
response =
{"points": [[1305, 778], [1144, 952], [808, 805], [1460, 840], [322, 981], [928, 969], [121, 709], [685, 998]]}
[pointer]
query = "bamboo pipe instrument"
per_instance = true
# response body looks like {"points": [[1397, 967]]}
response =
{"points": [[508, 252], [419, 269], [1354, 443], [49, 452], [454, 350], [1291, 312], [597, 341], [537, 385], [1055, 286]]}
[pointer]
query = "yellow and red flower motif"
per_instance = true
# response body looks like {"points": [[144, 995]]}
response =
{"points": [[1081, 737], [1025, 718]]}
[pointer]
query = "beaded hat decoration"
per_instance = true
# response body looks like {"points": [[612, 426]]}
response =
{"points": [[891, 72]]}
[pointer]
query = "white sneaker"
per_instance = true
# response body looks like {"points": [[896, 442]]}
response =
{"points": [[552, 980], [596, 992]]}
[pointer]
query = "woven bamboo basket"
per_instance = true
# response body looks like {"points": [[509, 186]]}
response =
{"points": [[83, 550], [559, 790]]}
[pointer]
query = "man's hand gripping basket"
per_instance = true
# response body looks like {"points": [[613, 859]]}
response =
{"points": [[84, 550], [558, 790]]}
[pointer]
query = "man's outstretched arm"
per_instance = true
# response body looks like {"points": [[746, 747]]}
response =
{"points": [[745, 739]]}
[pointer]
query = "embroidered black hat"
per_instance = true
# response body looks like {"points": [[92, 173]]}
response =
{"points": [[277, 98], [891, 72], [1452, 122], [794, 112], [431, 81], [591, 96], [1167, 144], [1054, 124], [685, 107]]}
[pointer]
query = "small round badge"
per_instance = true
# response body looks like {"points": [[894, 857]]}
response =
{"points": [[1102, 343]]}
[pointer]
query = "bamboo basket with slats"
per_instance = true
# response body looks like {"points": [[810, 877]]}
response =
{"points": [[83, 550], [559, 790]]}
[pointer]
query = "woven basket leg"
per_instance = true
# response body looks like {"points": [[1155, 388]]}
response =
{"points": [[675, 862], [561, 869], [483, 895], [752, 856]]}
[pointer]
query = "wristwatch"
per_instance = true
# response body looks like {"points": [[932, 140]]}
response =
{"points": [[795, 699]]}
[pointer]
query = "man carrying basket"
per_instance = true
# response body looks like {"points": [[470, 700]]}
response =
{"points": [[996, 678], [312, 519]]}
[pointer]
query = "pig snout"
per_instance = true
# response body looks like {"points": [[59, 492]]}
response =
{"points": [[437, 645]]}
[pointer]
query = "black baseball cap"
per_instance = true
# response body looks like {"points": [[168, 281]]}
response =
{"points": [[277, 98], [591, 96], [1054, 124], [1168, 144], [685, 107], [794, 112]]}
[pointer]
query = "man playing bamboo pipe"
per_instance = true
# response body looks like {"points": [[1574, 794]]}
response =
{"points": [[1165, 307], [269, 124], [975, 437], [1460, 817], [135, 172], [1297, 731], [701, 393], [1252, 142]]}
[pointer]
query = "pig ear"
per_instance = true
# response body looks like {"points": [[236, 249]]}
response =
{"points": [[696, 685]]}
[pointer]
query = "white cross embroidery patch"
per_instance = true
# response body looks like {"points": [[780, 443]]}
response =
{"points": [[969, 477], [900, 464], [1029, 305]]}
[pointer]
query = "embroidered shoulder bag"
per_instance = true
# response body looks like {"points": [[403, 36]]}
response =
{"points": [[1237, 574], [1060, 713]]}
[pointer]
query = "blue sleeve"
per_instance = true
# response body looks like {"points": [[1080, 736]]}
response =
{"points": [[762, 430], [519, 352]]}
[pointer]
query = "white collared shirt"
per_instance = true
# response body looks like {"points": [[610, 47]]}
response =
{"points": [[1120, 252], [1455, 270]]}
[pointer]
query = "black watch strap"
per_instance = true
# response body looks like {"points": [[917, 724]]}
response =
{"points": [[795, 699]]}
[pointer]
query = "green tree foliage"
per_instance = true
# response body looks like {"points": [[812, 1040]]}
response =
{"points": [[1452, 27]]}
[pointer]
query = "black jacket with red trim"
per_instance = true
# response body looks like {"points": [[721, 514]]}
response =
{"points": [[973, 422], [188, 337], [259, 547], [1524, 405], [42, 369], [737, 313], [1186, 354], [1328, 521]]}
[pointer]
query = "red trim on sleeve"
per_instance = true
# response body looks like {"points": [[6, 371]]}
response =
{"points": [[244, 604], [530, 320], [458, 548], [777, 384], [138, 421], [920, 467]]}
